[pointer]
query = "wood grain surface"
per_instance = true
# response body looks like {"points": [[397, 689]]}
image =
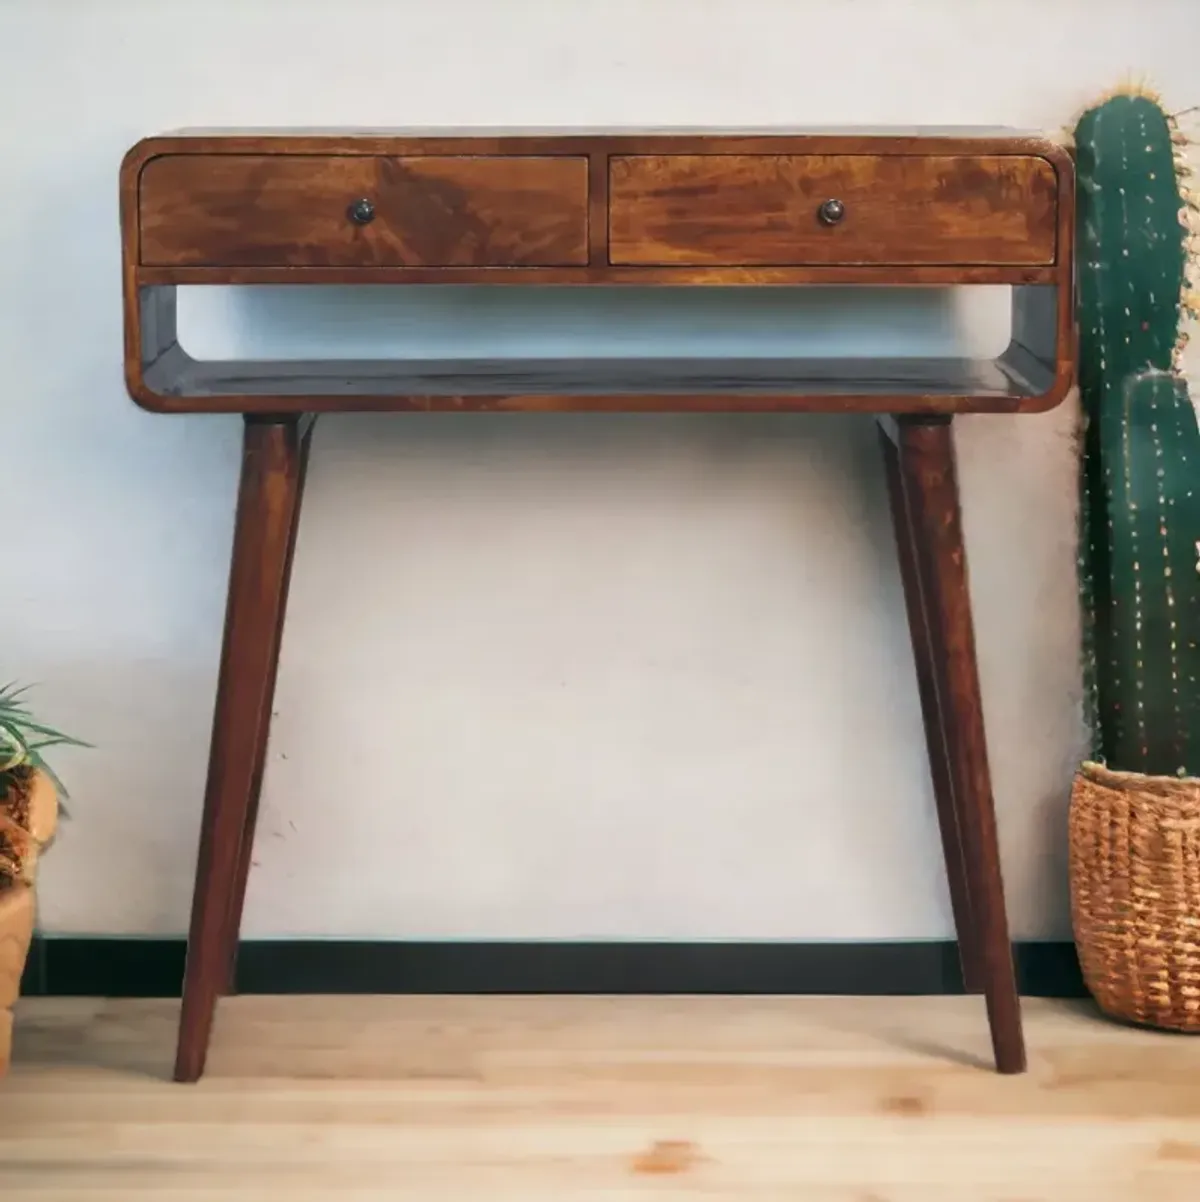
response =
{"points": [[273, 457], [925, 660], [919, 207], [929, 479], [694, 207], [430, 211], [304, 430], [591, 140], [899, 209], [541, 1099]]}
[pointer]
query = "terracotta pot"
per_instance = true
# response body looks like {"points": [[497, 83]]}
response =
{"points": [[28, 818], [16, 932]]}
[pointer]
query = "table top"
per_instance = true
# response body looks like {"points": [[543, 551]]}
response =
{"points": [[486, 133]]}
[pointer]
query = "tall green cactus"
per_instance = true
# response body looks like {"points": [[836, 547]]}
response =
{"points": [[1140, 502]]}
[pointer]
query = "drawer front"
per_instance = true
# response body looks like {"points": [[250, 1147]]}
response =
{"points": [[766, 210], [238, 210]]}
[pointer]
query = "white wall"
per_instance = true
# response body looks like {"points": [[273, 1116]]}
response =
{"points": [[543, 676]]}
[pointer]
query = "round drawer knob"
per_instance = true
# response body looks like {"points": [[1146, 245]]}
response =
{"points": [[831, 212], [361, 211]]}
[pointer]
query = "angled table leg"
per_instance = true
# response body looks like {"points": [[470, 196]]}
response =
{"points": [[264, 531], [945, 643], [237, 898], [931, 711]]}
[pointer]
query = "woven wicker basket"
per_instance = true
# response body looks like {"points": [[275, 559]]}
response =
{"points": [[1135, 894]]}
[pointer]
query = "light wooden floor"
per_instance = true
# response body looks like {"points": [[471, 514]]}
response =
{"points": [[553, 1099]]}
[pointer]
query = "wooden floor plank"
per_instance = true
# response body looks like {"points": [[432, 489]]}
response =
{"points": [[540, 1098]]}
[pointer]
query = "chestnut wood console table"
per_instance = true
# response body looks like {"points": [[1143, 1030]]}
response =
{"points": [[703, 209]]}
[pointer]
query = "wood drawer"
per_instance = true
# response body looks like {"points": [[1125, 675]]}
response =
{"points": [[246, 210], [764, 210]]}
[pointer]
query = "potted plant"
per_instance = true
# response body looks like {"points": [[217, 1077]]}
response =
{"points": [[29, 795], [1134, 827]]}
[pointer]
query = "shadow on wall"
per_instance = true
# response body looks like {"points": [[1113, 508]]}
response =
{"points": [[419, 321]]}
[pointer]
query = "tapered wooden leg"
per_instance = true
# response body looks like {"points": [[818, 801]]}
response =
{"points": [[268, 496], [927, 469], [931, 712], [237, 898]]}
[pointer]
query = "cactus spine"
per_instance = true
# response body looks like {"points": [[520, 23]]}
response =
{"points": [[1140, 502]]}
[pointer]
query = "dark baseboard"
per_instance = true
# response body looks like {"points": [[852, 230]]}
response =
{"points": [[134, 967]]}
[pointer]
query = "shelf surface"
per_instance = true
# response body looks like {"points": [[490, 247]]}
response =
{"points": [[176, 374]]}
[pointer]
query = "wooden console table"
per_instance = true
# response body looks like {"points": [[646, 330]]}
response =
{"points": [[897, 207]]}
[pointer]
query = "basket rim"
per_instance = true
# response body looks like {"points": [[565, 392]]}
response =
{"points": [[1177, 788]]}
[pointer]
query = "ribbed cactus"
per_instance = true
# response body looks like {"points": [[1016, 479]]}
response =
{"points": [[1140, 510]]}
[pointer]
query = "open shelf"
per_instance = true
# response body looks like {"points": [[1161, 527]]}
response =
{"points": [[758, 358], [176, 374]]}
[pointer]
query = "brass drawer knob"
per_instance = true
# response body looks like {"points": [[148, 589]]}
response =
{"points": [[831, 212], [361, 211]]}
